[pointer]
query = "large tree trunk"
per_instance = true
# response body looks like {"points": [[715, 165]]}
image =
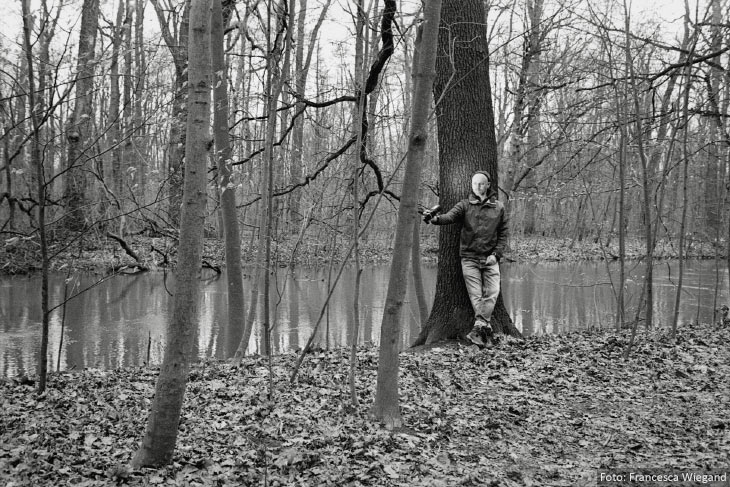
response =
{"points": [[79, 130], [467, 143], [387, 405], [158, 444]]}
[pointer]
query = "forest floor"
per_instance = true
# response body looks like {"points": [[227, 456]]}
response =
{"points": [[549, 411], [104, 254]]}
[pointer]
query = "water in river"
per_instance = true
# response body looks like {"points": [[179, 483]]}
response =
{"points": [[121, 320]]}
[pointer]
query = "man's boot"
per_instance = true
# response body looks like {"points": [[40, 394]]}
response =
{"points": [[476, 333]]}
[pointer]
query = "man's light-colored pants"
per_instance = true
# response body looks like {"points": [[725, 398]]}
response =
{"points": [[482, 284]]}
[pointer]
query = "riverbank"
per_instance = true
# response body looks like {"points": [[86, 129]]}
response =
{"points": [[105, 254], [548, 411]]}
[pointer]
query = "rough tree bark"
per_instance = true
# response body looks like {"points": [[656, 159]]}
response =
{"points": [[79, 129], [159, 441], [467, 143]]}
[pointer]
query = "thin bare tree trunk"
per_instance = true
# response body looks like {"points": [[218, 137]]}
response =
{"points": [[298, 131], [140, 65], [685, 170], [158, 444], [115, 130], [712, 181], [620, 305], [37, 161], [254, 294], [128, 152], [646, 185], [272, 75], [685, 204], [419, 290], [275, 83], [355, 215], [232, 235], [386, 406], [418, 287], [622, 158], [533, 96]]}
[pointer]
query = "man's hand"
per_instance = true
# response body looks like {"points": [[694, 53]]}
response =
{"points": [[491, 260], [431, 213]]}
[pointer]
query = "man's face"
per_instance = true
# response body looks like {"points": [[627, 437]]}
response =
{"points": [[479, 184]]}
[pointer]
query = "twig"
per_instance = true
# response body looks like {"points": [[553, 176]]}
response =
{"points": [[208, 265], [165, 260], [128, 250]]}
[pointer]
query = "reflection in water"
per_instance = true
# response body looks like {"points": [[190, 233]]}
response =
{"points": [[113, 324]]}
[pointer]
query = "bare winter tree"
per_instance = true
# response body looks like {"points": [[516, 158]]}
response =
{"points": [[160, 437], [37, 160], [467, 143], [387, 405], [232, 236]]}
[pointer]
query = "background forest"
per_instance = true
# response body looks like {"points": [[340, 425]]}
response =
{"points": [[590, 99]]}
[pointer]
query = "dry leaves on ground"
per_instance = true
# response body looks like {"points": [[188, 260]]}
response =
{"points": [[549, 411]]}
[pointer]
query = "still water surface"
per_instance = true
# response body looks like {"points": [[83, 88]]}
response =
{"points": [[114, 323]]}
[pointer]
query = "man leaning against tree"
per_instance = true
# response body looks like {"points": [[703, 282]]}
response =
{"points": [[484, 235]]}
